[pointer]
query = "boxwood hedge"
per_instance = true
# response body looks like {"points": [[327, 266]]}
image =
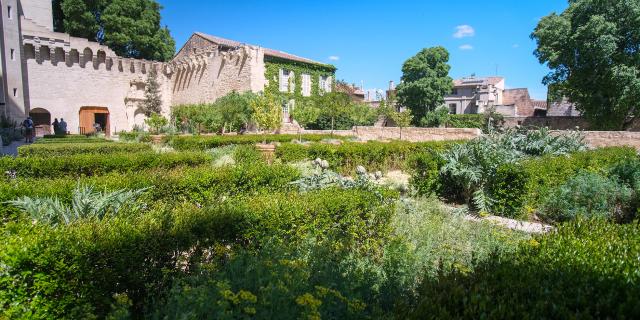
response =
{"points": [[588, 269], [97, 164], [208, 142], [200, 185], [373, 155], [71, 148], [74, 272]]}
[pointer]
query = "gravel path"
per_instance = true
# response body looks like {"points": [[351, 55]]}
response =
{"points": [[524, 226], [12, 149]]}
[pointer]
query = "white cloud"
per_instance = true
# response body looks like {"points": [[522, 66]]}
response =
{"points": [[334, 58], [464, 31], [466, 47]]}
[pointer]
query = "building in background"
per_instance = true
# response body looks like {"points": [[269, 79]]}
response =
{"points": [[474, 95], [49, 74]]}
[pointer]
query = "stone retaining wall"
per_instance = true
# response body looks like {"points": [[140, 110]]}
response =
{"points": [[597, 139], [408, 134]]}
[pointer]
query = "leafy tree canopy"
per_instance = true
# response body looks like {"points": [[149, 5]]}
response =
{"points": [[425, 81], [131, 28], [592, 49]]}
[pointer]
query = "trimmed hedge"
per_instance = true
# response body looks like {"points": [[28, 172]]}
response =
{"points": [[64, 136], [209, 142], [71, 148], [524, 186], [588, 269], [98, 164], [466, 121], [373, 155], [78, 140], [74, 272], [200, 185]]}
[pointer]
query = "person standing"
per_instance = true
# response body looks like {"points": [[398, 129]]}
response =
{"points": [[28, 128], [63, 126], [56, 127]]}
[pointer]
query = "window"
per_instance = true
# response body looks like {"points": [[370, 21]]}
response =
{"points": [[10, 12], [306, 85], [15, 92], [13, 54], [454, 92], [284, 80], [453, 108], [325, 84]]}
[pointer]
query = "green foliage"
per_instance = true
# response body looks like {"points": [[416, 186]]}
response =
{"points": [[466, 121], [587, 269], [196, 185], [425, 81], [574, 45], [93, 164], [134, 136], [521, 188], [74, 271], [152, 95], [424, 168], [402, 119], [71, 148], [314, 114], [372, 155], [267, 112], [437, 118], [184, 143], [474, 163], [130, 27], [156, 121], [86, 203], [273, 66], [588, 195], [230, 113]]}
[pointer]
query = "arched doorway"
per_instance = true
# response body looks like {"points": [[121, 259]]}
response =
{"points": [[41, 121], [90, 116]]}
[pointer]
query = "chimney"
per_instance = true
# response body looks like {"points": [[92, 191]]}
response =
{"points": [[392, 85]]}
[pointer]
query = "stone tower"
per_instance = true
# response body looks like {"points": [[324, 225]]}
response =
{"points": [[14, 92]]}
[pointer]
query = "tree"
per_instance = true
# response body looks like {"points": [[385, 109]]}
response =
{"points": [[131, 28], [306, 112], [156, 122], [334, 104], [593, 50], [267, 112], [234, 110], [425, 81], [153, 98], [436, 118], [402, 119]]}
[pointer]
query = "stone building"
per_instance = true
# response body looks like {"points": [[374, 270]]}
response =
{"points": [[473, 95], [47, 74]]}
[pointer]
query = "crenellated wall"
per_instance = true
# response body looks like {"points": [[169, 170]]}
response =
{"points": [[73, 73]]}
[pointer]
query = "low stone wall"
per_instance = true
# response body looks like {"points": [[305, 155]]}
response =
{"points": [[408, 134], [553, 123], [415, 134], [597, 139]]}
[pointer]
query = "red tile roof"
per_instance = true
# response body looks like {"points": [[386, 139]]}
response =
{"points": [[540, 104], [268, 52]]}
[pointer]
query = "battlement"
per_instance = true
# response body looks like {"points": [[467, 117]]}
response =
{"points": [[71, 51]]}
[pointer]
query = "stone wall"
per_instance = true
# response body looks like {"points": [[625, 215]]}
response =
{"points": [[408, 134], [553, 123], [598, 139]]}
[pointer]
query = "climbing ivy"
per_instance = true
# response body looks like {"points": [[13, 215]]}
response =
{"points": [[272, 73]]}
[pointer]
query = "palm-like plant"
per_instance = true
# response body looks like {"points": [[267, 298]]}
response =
{"points": [[86, 203]]}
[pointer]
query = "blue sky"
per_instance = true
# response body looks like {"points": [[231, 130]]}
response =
{"points": [[369, 40]]}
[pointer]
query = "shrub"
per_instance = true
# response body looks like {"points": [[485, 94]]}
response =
{"points": [[196, 185], [372, 155], [466, 121], [425, 172], [97, 164], [135, 136], [587, 269], [527, 184], [474, 163], [59, 149], [587, 195], [74, 271], [247, 154], [207, 142]]}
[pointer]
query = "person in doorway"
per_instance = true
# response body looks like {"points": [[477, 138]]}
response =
{"points": [[63, 126], [56, 127], [28, 130], [97, 127]]}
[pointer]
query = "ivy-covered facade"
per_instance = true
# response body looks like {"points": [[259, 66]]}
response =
{"points": [[319, 78]]}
